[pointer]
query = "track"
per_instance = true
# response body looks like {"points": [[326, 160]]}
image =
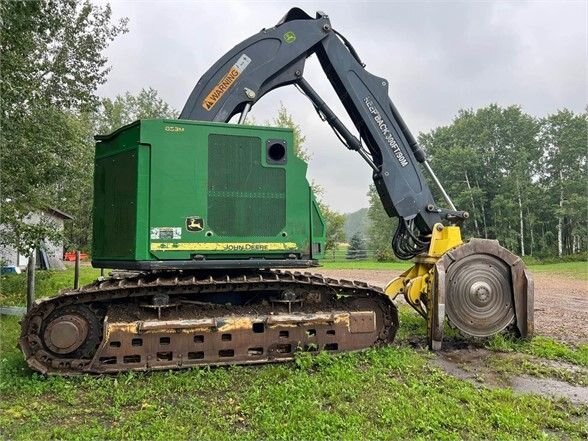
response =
{"points": [[172, 320]]}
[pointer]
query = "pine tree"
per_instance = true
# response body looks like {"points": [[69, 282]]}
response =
{"points": [[356, 248]]}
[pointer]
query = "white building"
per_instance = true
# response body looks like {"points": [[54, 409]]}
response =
{"points": [[49, 254]]}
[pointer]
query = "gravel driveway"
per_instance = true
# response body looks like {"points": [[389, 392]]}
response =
{"points": [[561, 303]]}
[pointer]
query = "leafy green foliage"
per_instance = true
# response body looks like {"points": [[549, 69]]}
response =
{"points": [[124, 109], [52, 63], [380, 228], [77, 191], [52, 53], [516, 175], [285, 119], [334, 224], [564, 171]]}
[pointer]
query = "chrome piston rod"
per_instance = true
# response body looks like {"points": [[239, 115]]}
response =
{"points": [[439, 186]]}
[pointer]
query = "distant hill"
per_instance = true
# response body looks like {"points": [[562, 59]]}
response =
{"points": [[356, 221]]}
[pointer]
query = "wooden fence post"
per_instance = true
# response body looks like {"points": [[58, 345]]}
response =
{"points": [[77, 271], [31, 267]]}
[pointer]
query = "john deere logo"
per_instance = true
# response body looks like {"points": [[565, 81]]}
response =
{"points": [[289, 37], [194, 224]]}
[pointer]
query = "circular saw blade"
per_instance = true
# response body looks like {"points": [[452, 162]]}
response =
{"points": [[479, 298]]}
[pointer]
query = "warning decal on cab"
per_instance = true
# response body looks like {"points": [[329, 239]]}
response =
{"points": [[225, 84]]}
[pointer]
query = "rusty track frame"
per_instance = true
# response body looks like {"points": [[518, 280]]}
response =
{"points": [[312, 331]]}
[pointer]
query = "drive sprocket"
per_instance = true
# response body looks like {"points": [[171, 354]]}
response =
{"points": [[73, 331]]}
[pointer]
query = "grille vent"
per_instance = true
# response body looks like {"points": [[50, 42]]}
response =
{"points": [[244, 198]]}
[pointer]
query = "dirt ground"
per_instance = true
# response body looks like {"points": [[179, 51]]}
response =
{"points": [[561, 303], [561, 311]]}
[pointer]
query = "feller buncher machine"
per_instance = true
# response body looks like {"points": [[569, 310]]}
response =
{"points": [[208, 225]]}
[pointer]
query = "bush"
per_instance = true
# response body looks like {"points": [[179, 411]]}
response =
{"points": [[384, 255]]}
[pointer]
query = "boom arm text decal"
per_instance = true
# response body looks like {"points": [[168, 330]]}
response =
{"points": [[386, 132]]}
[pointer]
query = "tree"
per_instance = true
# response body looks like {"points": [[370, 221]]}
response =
{"points": [[334, 225], [52, 53], [356, 248], [284, 119], [381, 227], [124, 109], [52, 63], [564, 139], [488, 160], [77, 195], [110, 115], [334, 221]]}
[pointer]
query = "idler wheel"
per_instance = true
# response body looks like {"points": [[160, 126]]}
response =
{"points": [[479, 300], [73, 331]]}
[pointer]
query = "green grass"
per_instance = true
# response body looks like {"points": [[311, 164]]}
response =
{"points": [[365, 264], [385, 393], [48, 283], [576, 270], [543, 347], [516, 364]]}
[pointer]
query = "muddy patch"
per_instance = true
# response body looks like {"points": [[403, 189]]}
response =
{"points": [[470, 364], [550, 387], [523, 374]]}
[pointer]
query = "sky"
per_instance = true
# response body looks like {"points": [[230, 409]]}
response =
{"points": [[438, 57]]}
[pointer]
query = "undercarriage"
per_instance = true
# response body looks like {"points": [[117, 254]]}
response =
{"points": [[172, 320]]}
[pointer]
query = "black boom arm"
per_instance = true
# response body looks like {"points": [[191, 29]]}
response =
{"points": [[275, 57]]}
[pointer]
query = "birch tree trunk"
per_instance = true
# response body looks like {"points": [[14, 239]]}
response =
{"points": [[522, 223], [560, 219], [473, 205], [531, 228], [483, 214]]}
